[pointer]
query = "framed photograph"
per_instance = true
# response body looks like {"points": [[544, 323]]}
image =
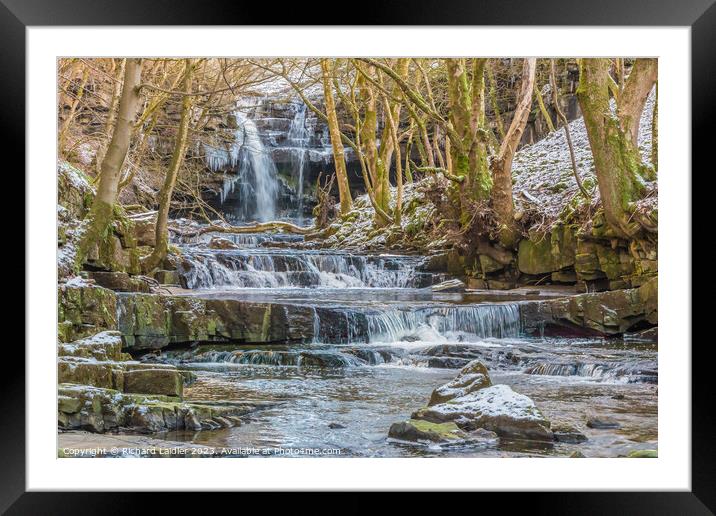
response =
{"points": [[422, 251]]}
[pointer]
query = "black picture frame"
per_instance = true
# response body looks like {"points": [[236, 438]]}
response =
{"points": [[700, 15]]}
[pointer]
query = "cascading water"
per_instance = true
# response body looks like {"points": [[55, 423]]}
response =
{"points": [[291, 269], [419, 326], [255, 172], [435, 324], [299, 138]]}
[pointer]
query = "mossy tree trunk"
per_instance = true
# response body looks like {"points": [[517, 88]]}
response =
{"points": [[344, 192], [613, 137], [165, 194], [468, 146], [102, 212], [502, 163]]}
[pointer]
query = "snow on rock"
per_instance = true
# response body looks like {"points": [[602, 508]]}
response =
{"points": [[103, 346], [77, 282], [497, 408]]}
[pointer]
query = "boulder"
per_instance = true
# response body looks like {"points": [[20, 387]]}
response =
{"points": [[586, 261], [488, 264], [143, 228], [416, 430], [167, 382], [436, 263], [472, 377], [497, 408], [563, 244]]}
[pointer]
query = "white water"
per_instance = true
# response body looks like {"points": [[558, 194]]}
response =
{"points": [[299, 137], [445, 323], [237, 269], [255, 171]]}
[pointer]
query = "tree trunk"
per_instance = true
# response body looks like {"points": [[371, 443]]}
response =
{"points": [[468, 149], [633, 96], [502, 163], [344, 192], [116, 93], [165, 194], [612, 138], [102, 212]]}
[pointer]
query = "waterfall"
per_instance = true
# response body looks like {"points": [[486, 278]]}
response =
{"points": [[435, 324], [254, 170], [299, 137], [467, 323], [317, 358], [252, 269]]}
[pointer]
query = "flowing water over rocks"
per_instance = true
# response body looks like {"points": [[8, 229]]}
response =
{"points": [[375, 341]]}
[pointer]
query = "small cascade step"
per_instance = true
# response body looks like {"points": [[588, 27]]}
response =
{"points": [[277, 268]]}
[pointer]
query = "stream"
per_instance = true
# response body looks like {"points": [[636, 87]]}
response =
{"points": [[342, 391]]}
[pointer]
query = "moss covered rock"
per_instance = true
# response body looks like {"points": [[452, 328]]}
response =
{"points": [[149, 321], [168, 382], [534, 256], [416, 430], [84, 310], [563, 244]]}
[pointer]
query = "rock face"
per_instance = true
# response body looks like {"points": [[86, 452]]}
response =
{"points": [[469, 406], [84, 310], [603, 313], [98, 361], [101, 410], [535, 256], [149, 321], [101, 389]]}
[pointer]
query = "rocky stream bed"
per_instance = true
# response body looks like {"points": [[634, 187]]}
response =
{"points": [[282, 348]]}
